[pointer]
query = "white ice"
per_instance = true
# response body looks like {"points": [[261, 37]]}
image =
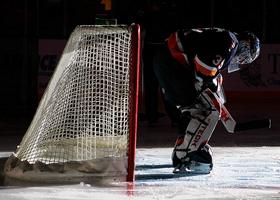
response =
{"points": [[239, 173]]}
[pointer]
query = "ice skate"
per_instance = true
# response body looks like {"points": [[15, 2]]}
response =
{"points": [[199, 161]]}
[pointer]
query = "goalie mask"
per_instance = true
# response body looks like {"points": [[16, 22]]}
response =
{"points": [[248, 50]]}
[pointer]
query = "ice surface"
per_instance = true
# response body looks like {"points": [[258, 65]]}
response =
{"points": [[239, 173]]}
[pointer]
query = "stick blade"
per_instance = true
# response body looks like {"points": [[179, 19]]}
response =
{"points": [[254, 124]]}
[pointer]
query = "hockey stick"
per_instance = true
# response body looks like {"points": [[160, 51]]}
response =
{"points": [[228, 121]]}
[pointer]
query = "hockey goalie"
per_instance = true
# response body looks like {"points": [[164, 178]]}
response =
{"points": [[189, 72]]}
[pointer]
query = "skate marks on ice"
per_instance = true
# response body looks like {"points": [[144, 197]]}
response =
{"points": [[233, 166], [239, 172]]}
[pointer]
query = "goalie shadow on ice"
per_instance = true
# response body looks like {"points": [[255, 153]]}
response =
{"points": [[166, 171]]}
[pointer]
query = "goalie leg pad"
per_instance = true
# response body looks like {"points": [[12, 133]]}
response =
{"points": [[190, 150]]}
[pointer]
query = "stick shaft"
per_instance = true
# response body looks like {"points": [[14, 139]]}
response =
{"points": [[254, 124]]}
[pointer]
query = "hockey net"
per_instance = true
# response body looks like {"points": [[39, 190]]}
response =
{"points": [[85, 125]]}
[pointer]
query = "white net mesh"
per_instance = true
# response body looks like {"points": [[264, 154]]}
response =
{"points": [[84, 113]]}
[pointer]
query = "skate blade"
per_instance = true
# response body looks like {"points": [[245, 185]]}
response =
{"points": [[201, 168], [194, 168], [181, 170]]}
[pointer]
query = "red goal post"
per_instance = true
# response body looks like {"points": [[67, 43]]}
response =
{"points": [[135, 81]]}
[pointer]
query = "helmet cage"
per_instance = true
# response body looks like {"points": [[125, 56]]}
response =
{"points": [[248, 49]]}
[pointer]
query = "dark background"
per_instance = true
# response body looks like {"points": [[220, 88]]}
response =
{"points": [[25, 22]]}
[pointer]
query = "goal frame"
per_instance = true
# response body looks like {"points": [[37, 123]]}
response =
{"points": [[14, 164]]}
